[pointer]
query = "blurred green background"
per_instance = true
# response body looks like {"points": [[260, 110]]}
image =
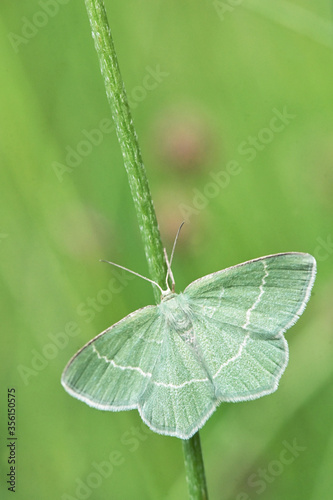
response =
{"points": [[219, 72]]}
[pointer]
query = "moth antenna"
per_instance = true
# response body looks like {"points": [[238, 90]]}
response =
{"points": [[174, 244], [136, 274], [169, 273]]}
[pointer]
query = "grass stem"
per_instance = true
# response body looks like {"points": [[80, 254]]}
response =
{"points": [[139, 186]]}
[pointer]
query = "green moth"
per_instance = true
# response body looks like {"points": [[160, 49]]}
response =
{"points": [[219, 340]]}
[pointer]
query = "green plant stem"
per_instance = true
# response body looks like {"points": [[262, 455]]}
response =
{"points": [[128, 141], [194, 466], [139, 186]]}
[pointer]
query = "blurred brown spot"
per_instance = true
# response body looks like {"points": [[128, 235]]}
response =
{"points": [[183, 140], [169, 220]]}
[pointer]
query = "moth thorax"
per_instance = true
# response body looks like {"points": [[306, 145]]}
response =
{"points": [[182, 324], [179, 319]]}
